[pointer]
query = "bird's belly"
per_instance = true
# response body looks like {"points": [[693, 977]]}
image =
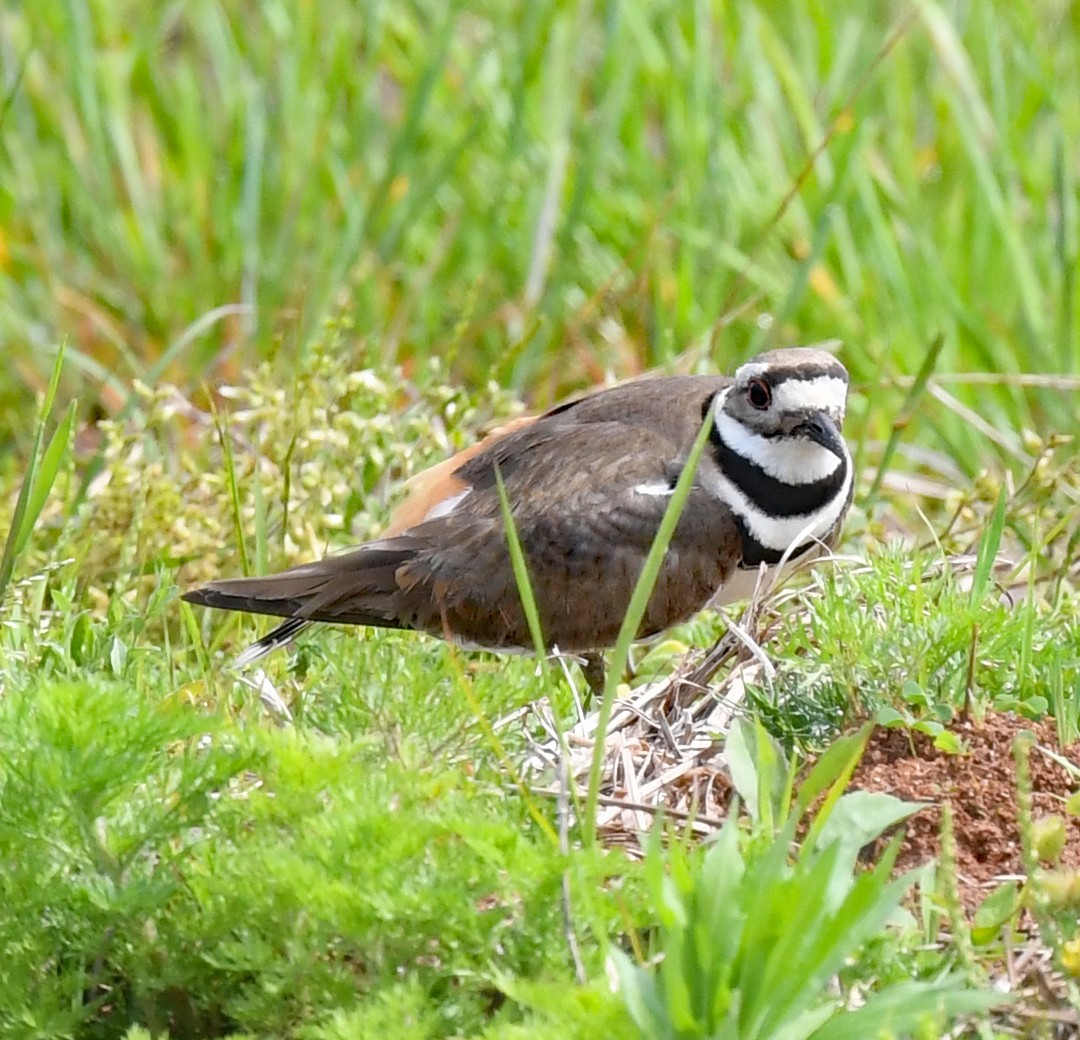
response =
{"points": [[739, 586]]}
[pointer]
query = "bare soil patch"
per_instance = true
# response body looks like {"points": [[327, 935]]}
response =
{"points": [[980, 783]]}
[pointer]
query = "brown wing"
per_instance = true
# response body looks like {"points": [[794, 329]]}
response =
{"points": [[585, 533], [673, 407]]}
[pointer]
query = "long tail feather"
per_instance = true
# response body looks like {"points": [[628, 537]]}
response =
{"points": [[353, 588]]}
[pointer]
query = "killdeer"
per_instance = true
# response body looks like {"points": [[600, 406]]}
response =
{"points": [[588, 483]]}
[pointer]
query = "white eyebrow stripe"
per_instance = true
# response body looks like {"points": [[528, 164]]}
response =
{"points": [[794, 461], [821, 394]]}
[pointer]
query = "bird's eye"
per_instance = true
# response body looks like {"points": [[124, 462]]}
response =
{"points": [[759, 394]]}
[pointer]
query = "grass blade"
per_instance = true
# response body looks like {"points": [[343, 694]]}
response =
{"points": [[45, 476], [234, 490], [988, 549], [521, 573], [632, 620], [262, 551], [904, 416], [532, 615], [36, 485]]}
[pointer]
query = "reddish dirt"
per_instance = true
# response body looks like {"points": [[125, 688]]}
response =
{"points": [[980, 783]]}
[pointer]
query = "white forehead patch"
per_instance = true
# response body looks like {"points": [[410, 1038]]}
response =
{"points": [[823, 393]]}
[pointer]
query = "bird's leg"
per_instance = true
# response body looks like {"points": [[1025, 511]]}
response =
{"points": [[592, 667]]}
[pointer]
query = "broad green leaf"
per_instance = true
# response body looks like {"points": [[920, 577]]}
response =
{"points": [[739, 754], [719, 921], [887, 715], [836, 763], [861, 817], [638, 990], [804, 1024], [908, 1007], [994, 911], [758, 771]]}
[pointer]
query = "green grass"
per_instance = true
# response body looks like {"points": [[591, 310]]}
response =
{"points": [[544, 192], [181, 859], [895, 638], [371, 229], [179, 871]]}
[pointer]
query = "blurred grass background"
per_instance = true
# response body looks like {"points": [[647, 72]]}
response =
{"points": [[544, 194]]}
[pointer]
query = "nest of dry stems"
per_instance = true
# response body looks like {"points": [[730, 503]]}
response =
{"points": [[664, 744]]}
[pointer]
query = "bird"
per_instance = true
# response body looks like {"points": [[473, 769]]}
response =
{"points": [[587, 484]]}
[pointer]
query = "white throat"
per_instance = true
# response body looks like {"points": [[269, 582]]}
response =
{"points": [[790, 460]]}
